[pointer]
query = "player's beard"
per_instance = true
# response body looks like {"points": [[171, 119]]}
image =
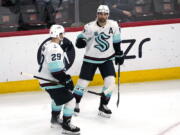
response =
{"points": [[102, 20]]}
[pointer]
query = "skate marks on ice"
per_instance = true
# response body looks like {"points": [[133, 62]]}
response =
{"points": [[150, 108], [172, 130]]}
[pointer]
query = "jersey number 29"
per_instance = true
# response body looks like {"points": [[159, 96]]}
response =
{"points": [[56, 56]]}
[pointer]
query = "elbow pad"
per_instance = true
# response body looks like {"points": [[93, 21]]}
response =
{"points": [[81, 43]]}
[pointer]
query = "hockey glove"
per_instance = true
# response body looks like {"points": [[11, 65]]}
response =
{"points": [[69, 83], [119, 58], [64, 79], [81, 43]]}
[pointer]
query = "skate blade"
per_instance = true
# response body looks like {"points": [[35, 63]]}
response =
{"points": [[102, 114], [70, 133]]}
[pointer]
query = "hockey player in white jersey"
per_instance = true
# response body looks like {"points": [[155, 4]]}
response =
{"points": [[102, 41], [53, 68]]}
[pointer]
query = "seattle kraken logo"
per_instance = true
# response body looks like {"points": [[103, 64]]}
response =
{"points": [[103, 44]]}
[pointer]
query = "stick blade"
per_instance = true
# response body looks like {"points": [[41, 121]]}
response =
{"points": [[27, 74]]}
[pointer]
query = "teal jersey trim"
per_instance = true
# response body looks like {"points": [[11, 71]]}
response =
{"points": [[56, 66], [53, 87], [81, 36], [116, 38], [95, 61]]}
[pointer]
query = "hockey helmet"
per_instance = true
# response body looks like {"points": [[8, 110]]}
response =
{"points": [[103, 9], [55, 30]]}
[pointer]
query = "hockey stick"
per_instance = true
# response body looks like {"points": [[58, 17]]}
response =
{"points": [[118, 85], [95, 93], [54, 82], [38, 77]]}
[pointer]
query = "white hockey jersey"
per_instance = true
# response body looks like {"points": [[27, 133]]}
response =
{"points": [[100, 41], [53, 60]]}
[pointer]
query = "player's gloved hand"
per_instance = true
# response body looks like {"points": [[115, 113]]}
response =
{"points": [[119, 58], [69, 83], [81, 42]]}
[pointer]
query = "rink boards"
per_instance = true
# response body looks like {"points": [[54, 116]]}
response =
{"points": [[152, 53]]}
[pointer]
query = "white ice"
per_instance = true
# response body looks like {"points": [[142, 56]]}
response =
{"points": [[149, 108]]}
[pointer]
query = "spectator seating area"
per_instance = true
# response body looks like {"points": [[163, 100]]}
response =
{"points": [[8, 20], [18, 15], [28, 15]]}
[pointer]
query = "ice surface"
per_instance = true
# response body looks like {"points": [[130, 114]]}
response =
{"points": [[150, 108]]}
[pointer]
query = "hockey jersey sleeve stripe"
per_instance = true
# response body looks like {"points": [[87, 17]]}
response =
{"points": [[81, 36], [116, 38]]}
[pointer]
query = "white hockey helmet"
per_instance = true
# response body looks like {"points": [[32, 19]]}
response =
{"points": [[55, 30], [103, 9]]}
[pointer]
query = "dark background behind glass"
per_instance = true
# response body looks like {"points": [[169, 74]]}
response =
{"points": [[17, 15]]}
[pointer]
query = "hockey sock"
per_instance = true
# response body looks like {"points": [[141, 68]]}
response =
{"points": [[68, 111], [78, 93], [55, 113], [105, 98], [55, 108]]}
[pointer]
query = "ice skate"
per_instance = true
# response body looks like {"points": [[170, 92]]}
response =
{"points": [[56, 122], [69, 129], [104, 111]]}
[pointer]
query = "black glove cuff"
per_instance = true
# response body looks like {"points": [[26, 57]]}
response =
{"points": [[80, 43]]}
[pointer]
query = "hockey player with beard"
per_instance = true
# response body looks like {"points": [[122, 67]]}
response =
{"points": [[102, 41], [53, 68]]}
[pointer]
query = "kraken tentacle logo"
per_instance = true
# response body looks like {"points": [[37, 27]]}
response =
{"points": [[103, 44]]}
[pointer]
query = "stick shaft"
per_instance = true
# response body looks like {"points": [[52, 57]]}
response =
{"points": [[41, 78], [38, 77], [118, 85], [55, 82]]}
